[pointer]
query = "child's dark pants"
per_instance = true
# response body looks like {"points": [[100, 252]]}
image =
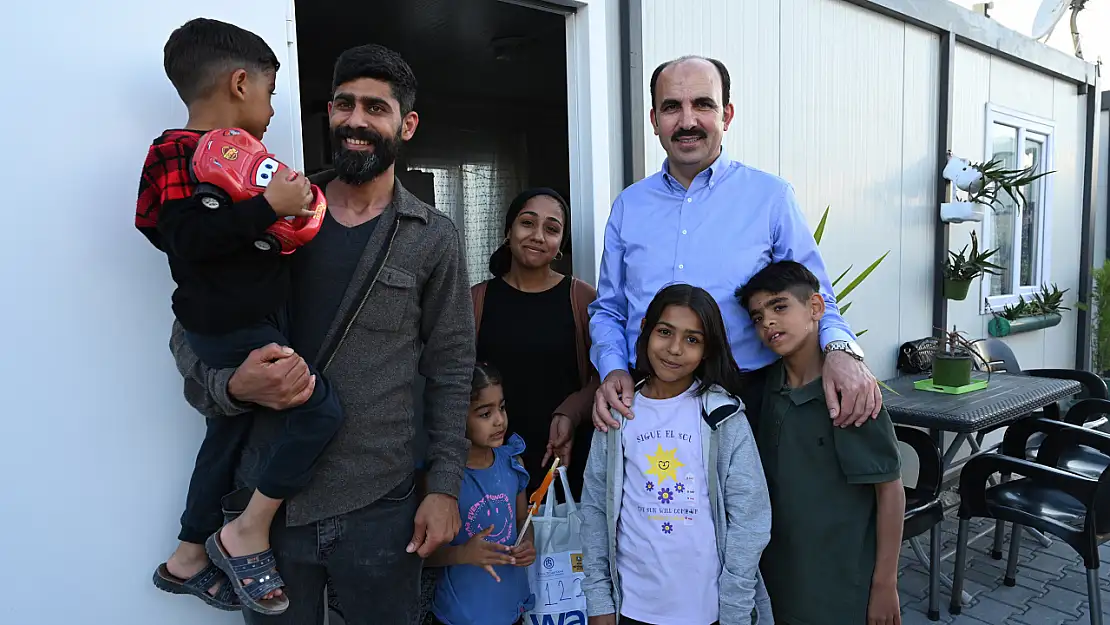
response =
{"points": [[308, 430]]}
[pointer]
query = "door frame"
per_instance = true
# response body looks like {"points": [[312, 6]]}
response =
{"points": [[589, 132], [594, 142]]}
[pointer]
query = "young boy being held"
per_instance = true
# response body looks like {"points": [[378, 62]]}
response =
{"points": [[230, 298], [837, 501]]}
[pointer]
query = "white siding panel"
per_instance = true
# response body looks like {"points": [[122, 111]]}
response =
{"points": [[981, 79], [919, 149], [98, 460], [971, 91], [742, 35], [842, 107], [1021, 88], [841, 102], [1066, 215]]}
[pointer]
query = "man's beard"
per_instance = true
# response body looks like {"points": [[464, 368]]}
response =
{"points": [[357, 167]]}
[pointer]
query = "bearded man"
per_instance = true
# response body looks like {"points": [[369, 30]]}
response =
{"points": [[379, 294]]}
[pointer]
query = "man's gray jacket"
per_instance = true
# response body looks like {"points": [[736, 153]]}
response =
{"points": [[416, 316]]}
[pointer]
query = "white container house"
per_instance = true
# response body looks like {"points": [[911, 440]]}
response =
{"points": [[853, 101]]}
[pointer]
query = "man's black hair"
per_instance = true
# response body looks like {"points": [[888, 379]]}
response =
{"points": [[726, 82], [379, 63], [780, 277], [202, 50]]}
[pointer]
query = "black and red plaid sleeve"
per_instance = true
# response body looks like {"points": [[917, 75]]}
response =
{"points": [[165, 178], [174, 220]]}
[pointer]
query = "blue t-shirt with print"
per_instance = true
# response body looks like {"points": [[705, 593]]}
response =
{"points": [[466, 594]]}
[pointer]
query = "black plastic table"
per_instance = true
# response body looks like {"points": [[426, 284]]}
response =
{"points": [[1007, 398]]}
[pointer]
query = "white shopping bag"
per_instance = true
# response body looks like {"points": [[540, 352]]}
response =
{"points": [[556, 576]]}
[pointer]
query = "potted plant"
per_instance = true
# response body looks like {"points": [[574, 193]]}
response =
{"points": [[982, 182], [963, 267], [1042, 311], [953, 358], [840, 297]]}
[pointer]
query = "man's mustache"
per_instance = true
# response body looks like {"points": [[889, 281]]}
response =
{"points": [[359, 134], [694, 132]]}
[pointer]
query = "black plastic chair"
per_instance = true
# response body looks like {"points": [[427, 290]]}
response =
{"points": [[1000, 358], [1023, 438], [1073, 507], [924, 510]]}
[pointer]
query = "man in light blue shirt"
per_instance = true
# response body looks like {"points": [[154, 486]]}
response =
{"points": [[713, 222]]}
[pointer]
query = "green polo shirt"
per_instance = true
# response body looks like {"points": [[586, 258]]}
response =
{"points": [[819, 563]]}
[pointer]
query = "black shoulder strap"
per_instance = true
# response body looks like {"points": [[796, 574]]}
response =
{"points": [[329, 350]]}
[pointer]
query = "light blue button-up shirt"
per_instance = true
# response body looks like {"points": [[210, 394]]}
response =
{"points": [[733, 221]]}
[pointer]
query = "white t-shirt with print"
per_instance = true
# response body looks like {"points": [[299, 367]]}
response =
{"points": [[666, 545]]}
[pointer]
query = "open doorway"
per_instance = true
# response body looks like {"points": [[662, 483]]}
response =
{"points": [[492, 99]]}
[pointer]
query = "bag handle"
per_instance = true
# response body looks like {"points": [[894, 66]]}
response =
{"points": [[549, 504]]}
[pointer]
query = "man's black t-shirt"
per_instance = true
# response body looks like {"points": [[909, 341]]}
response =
{"points": [[322, 269]]}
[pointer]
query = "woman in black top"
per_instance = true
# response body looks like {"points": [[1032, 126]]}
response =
{"points": [[533, 326]]}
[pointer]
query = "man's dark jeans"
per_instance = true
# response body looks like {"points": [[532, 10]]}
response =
{"points": [[308, 430], [361, 554]]}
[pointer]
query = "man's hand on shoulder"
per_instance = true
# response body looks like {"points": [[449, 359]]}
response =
{"points": [[616, 392], [437, 523], [851, 391], [272, 376]]}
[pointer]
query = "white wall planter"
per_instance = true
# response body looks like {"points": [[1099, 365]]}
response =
{"points": [[959, 212]]}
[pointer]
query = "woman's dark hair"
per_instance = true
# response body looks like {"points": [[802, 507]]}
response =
{"points": [[718, 366], [502, 258], [485, 376]]}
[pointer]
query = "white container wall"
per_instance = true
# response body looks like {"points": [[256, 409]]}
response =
{"points": [[841, 102], [98, 443], [981, 79]]}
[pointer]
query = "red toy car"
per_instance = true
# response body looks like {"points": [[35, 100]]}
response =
{"points": [[230, 165]]}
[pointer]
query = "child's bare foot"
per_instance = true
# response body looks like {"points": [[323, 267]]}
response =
{"points": [[239, 539], [188, 560]]}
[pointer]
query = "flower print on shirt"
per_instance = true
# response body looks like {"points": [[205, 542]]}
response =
{"points": [[669, 502]]}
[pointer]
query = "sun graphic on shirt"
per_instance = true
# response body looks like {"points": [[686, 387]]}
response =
{"points": [[664, 464]]}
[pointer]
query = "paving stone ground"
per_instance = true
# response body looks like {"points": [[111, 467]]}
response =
{"points": [[1051, 583]]}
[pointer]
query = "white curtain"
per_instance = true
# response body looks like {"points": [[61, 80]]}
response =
{"points": [[474, 190]]}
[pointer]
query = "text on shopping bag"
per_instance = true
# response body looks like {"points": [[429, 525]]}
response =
{"points": [[558, 582], [574, 617]]}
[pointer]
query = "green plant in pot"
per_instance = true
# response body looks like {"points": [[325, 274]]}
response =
{"points": [[996, 178], [954, 360], [962, 267], [1038, 313], [818, 234]]}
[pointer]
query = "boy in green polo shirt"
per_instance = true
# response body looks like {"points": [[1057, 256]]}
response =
{"points": [[837, 501]]}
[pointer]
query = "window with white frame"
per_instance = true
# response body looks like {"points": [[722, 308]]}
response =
{"points": [[1020, 232]]}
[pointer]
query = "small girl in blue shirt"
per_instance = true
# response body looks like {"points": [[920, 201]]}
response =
{"points": [[485, 580]]}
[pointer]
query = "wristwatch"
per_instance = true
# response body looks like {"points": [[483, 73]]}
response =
{"points": [[851, 348]]}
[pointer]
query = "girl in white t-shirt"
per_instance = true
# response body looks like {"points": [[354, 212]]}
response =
{"points": [[675, 511]]}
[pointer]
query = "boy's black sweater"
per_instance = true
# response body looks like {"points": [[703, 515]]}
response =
{"points": [[223, 281]]}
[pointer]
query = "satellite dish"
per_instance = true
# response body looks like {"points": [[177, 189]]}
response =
{"points": [[1051, 12], [1048, 15]]}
